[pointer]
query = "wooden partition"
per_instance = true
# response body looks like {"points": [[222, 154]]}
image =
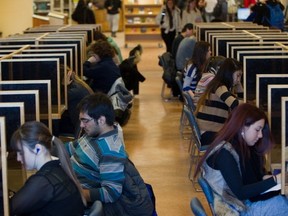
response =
{"points": [[238, 50], [284, 146], [271, 52], [275, 92], [44, 89], [81, 51], [262, 82], [253, 65], [30, 98], [38, 69], [5, 210], [230, 45], [14, 117]]}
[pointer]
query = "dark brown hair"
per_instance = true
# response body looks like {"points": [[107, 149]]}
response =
{"points": [[102, 48], [243, 115]]}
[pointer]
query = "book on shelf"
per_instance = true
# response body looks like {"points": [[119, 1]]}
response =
{"points": [[143, 29], [136, 20], [149, 20], [130, 10], [141, 10]]}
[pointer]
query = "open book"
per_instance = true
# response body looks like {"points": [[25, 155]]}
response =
{"points": [[275, 188]]}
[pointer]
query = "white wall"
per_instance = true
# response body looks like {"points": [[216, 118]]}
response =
{"points": [[15, 16]]}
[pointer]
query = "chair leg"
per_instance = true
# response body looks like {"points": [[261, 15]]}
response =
{"points": [[163, 96], [195, 156]]}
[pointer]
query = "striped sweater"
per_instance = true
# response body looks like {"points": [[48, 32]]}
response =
{"points": [[212, 116], [191, 78], [99, 164]]}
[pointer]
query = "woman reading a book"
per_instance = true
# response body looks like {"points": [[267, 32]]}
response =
{"points": [[233, 165]]}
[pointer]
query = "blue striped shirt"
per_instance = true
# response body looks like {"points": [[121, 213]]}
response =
{"points": [[99, 164], [190, 79]]}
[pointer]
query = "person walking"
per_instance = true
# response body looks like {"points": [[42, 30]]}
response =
{"points": [[113, 8]]}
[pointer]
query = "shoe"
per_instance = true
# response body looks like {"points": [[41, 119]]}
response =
{"points": [[113, 34]]}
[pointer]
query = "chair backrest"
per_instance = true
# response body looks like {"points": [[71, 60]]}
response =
{"points": [[197, 207], [208, 193], [188, 100], [179, 80], [194, 126]]}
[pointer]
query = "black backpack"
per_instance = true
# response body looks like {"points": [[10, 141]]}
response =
{"points": [[169, 69], [217, 11]]}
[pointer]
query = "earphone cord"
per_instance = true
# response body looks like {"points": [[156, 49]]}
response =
{"points": [[34, 166]]}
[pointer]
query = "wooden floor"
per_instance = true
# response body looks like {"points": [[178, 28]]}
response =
{"points": [[154, 143]]}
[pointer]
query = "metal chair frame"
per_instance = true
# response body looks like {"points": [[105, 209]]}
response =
{"points": [[197, 207], [208, 193], [196, 149]]}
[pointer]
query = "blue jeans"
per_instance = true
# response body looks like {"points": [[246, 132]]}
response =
{"points": [[275, 206]]}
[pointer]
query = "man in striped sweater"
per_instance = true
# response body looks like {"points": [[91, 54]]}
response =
{"points": [[101, 162]]}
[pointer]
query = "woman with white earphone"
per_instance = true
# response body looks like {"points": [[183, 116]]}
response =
{"points": [[234, 166], [54, 188]]}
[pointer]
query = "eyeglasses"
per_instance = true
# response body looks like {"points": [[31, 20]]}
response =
{"points": [[85, 120]]}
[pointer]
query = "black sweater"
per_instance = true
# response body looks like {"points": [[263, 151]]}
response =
{"points": [[249, 185]]}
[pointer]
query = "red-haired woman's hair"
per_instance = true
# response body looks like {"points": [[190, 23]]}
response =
{"points": [[243, 115]]}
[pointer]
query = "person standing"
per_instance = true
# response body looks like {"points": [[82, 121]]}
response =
{"points": [[170, 23], [83, 14], [113, 8], [208, 12], [191, 14]]}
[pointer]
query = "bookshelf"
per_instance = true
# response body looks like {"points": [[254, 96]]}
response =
{"points": [[41, 7], [139, 21]]}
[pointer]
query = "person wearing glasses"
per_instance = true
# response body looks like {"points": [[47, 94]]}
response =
{"points": [[101, 163]]}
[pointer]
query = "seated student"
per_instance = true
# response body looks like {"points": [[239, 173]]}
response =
{"points": [[195, 66], [101, 162], [187, 31], [129, 70], [191, 13], [210, 70], [76, 90], [218, 100], [234, 166], [98, 35], [100, 68], [54, 188]]}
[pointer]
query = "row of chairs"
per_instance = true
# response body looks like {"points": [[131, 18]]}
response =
{"points": [[188, 119], [195, 149]]}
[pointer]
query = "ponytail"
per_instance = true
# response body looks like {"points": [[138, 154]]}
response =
{"points": [[66, 165]]}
